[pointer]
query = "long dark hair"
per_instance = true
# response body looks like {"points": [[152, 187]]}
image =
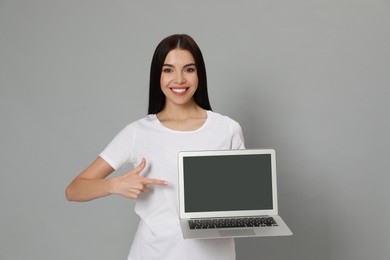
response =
{"points": [[183, 42]]}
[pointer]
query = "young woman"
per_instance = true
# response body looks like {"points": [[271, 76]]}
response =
{"points": [[179, 118]]}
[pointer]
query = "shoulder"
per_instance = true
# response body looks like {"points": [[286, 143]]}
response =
{"points": [[222, 119], [130, 130], [144, 122], [229, 128]]}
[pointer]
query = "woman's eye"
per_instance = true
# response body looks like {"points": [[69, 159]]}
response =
{"points": [[191, 69], [167, 70]]}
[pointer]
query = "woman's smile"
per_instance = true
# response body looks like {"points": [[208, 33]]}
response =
{"points": [[180, 91]]}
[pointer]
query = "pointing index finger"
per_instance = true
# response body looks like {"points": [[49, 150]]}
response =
{"points": [[154, 181]]}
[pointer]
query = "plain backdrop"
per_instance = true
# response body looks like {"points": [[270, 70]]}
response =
{"points": [[310, 79]]}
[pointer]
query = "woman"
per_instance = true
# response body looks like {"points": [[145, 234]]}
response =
{"points": [[179, 118]]}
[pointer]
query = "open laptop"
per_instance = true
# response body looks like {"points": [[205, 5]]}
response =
{"points": [[229, 194]]}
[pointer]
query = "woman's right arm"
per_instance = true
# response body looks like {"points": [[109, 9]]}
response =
{"points": [[92, 182]]}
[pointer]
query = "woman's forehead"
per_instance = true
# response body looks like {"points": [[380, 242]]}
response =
{"points": [[179, 56]]}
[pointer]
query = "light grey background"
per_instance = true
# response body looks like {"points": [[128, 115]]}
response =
{"points": [[308, 78]]}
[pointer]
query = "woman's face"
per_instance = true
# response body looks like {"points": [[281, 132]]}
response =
{"points": [[179, 77]]}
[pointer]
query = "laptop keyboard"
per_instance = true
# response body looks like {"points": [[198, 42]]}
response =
{"points": [[232, 222]]}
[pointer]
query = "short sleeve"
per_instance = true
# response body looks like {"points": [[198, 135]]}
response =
{"points": [[118, 152], [237, 136]]}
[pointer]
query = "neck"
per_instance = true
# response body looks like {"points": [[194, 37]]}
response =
{"points": [[182, 118], [173, 111]]}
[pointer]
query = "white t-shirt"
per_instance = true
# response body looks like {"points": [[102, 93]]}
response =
{"points": [[159, 235]]}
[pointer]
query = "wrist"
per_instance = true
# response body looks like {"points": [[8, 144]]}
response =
{"points": [[111, 183]]}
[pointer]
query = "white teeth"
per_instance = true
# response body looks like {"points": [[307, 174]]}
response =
{"points": [[179, 90]]}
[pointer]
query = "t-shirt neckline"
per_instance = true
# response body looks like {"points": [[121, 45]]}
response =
{"points": [[179, 131]]}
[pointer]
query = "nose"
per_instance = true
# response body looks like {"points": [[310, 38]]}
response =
{"points": [[180, 78]]}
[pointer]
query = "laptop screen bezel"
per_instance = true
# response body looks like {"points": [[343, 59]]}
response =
{"points": [[235, 213]]}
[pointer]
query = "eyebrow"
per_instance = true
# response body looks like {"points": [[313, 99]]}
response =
{"points": [[188, 65]]}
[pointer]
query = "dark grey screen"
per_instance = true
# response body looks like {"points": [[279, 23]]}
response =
{"points": [[225, 183]]}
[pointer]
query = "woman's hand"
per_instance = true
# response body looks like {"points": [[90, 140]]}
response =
{"points": [[132, 184]]}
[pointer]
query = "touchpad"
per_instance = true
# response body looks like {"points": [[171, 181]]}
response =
{"points": [[236, 232]]}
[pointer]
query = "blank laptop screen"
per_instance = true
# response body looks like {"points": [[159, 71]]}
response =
{"points": [[227, 183]]}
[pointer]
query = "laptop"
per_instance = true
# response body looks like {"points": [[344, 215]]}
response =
{"points": [[229, 193]]}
